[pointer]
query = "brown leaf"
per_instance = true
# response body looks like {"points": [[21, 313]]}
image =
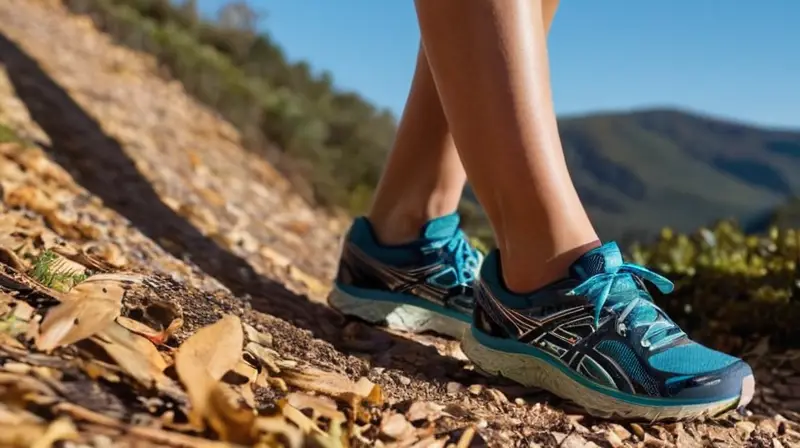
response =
{"points": [[298, 418], [256, 336], [142, 329], [9, 258], [277, 428], [266, 356], [87, 309], [155, 435], [32, 435], [466, 438], [331, 383], [320, 406], [134, 354], [231, 422], [63, 265], [203, 359]]}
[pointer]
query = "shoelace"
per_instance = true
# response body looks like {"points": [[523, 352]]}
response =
{"points": [[656, 327], [466, 258]]}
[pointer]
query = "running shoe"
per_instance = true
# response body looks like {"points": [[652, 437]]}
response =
{"points": [[598, 339], [425, 285]]}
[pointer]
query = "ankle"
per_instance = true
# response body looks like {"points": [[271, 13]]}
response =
{"points": [[401, 222], [527, 269], [395, 227]]}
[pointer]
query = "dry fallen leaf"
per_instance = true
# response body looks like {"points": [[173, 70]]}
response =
{"points": [[9, 258], [278, 432], [203, 359], [331, 383], [256, 336], [134, 354], [87, 309], [231, 422], [142, 329], [32, 435], [266, 356], [320, 406]]}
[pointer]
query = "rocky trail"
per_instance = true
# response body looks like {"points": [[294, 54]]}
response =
{"points": [[161, 286]]}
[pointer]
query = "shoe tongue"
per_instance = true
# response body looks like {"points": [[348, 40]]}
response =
{"points": [[602, 260], [440, 228], [606, 259]]}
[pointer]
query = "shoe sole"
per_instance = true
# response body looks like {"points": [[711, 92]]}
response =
{"points": [[395, 315], [535, 372]]}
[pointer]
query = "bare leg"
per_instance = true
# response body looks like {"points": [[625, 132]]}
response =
{"points": [[423, 178], [505, 130]]}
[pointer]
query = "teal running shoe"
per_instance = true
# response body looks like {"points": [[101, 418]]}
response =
{"points": [[597, 338], [425, 285]]}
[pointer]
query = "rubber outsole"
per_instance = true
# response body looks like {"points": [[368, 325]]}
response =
{"points": [[534, 372], [397, 316]]}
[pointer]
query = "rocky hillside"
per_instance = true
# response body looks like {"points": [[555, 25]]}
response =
{"points": [[160, 286]]}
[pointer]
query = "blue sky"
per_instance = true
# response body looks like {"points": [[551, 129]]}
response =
{"points": [[733, 59]]}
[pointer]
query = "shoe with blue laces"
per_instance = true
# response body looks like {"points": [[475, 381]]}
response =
{"points": [[425, 285], [597, 338]]}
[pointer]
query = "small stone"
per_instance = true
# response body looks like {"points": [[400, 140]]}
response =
{"points": [[423, 410], [453, 388], [613, 439], [519, 401], [652, 442], [475, 389], [404, 380], [620, 431], [638, 430], [396, 426]]}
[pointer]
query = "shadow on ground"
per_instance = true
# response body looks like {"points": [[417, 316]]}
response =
{"points": [[101, 166]]}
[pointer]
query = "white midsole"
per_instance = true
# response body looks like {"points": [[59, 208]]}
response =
{"points": [[397, 316], [535, 372]]}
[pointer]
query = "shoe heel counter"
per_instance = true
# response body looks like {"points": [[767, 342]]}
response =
{"points": [[357, 269], [345, 272], [483, 318]]}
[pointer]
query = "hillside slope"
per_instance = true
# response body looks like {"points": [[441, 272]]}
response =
{"points": [[667, 168], [640, 171], [149, 204]]}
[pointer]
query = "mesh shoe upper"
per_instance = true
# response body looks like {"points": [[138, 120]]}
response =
{"points": [[603, 324], [439, 266]]}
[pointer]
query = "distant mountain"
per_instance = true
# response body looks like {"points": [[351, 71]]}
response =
{"points": [[640, 171]]}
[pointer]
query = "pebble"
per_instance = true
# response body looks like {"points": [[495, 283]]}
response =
{"points": [[454, 388]]}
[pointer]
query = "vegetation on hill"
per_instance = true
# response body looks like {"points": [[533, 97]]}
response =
{"points": [[636, 172], [330, 143]]}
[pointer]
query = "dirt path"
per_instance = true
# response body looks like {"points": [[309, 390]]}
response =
{"points": [[130, 170]]}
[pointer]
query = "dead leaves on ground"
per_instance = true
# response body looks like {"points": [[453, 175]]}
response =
{"points": [[100, 356], [87, 309], [204, 389]]}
